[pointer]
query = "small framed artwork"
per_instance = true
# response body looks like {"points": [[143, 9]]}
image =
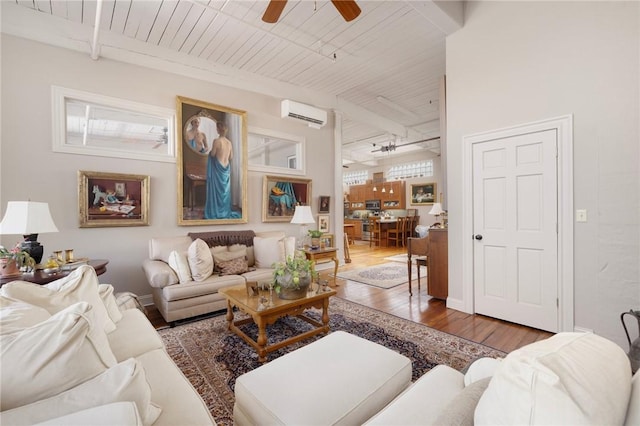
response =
{"points": [[212, 163], [326, 240], [324, 204], [281, 194], [323, 222], [423, 194], [112, 199]]}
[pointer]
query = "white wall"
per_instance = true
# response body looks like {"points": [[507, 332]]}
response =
{"points": [[518, 62], [30, 170]]}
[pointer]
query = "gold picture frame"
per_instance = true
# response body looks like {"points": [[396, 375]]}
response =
{"points": [[99, 204], [326, 240], [212, 163], [423, 194], [280, 195]]}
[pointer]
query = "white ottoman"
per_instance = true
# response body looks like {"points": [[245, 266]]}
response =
{"points": [[340, 379]]}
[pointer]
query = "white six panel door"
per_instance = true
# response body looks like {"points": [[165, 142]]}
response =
{"points": [[515, 229]]}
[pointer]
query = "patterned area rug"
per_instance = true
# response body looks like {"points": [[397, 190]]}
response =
{"points": [[212, 358], [402, 258], [387, 275]]}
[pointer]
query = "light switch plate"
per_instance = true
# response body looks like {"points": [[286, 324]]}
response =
{"points": [[581, 215]]}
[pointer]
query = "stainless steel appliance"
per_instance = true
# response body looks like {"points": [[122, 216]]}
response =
{"points": [[372, 204], [366, 232]]}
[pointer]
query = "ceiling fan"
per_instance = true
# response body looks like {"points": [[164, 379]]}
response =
{"points": [[347, 8], [392, 145]]}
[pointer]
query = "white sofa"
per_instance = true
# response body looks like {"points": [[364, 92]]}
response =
{"points": [[71, 356], [183, 271], [568, 379]]}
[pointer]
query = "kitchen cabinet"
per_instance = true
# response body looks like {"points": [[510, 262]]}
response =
{"points": [[395, 200], [357, 194]]}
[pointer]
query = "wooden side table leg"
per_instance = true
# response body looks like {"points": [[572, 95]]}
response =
{"points": [[335, 270]]}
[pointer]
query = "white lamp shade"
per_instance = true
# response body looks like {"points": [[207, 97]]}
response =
{"points": [[303, 215], [436, 209], [27, 217]]}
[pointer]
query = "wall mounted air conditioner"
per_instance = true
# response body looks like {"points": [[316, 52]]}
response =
{"points": [[313, 116]]}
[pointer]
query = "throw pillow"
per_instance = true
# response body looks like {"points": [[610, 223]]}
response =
{"points": [[249, 250], [225, 256], [125, 381], [16, 315], [481, 368], [80, 285], [268, 251], [569, 378], [200, 260], [180, 264], [106, 294], [460, 410], [53, 356], [235, 266]]}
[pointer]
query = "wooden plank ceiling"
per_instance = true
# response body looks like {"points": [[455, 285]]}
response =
{"points": [[382, 70]]}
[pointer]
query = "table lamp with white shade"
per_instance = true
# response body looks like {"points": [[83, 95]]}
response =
{"points": [[302, 216], [437, 211], [28, 218]]}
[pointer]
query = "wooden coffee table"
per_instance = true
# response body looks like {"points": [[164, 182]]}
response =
{"points": [[237, 296]]}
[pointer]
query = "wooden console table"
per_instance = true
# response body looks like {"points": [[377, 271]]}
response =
{"points": [[39, 277]]}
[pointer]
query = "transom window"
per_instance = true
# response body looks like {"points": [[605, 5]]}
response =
{"points": [[410, 170]]}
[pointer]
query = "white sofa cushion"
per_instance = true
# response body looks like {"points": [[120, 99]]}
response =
{"points": [[200, 260], [80, 285], [123, 382], [170, 389], [16, 315], [106, 292], [421, 403], [134, 336], [52, 356], [180, 264], [633, 411], [570, 378], [117, 413]]}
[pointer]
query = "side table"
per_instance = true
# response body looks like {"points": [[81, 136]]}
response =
{"points": [[329, 253], [39, 277]]}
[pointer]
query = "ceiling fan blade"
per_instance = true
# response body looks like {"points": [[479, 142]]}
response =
{"points": [[274, 10], [347, 8]]}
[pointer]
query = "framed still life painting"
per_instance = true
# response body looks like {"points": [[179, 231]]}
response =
{"points": [[281, 194], [212, 163], [112, 199]]}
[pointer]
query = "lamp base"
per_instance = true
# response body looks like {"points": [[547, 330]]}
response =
{"points": [[31, 246]]}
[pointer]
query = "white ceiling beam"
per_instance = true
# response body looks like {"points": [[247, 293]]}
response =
{"points": [[448, 15], [95, 49]]}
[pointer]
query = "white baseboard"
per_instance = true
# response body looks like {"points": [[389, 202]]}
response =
{"points": [[146, 299]]}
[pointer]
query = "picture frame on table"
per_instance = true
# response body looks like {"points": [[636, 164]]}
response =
{"points": [[281, 194], [423, 194], [325, 202], [112, 199], [212, 163], [323, 223], [326, 240]]}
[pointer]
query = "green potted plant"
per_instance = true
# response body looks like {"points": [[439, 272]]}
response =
{"points": [[315, 238], [12, 261], [293, 276]]}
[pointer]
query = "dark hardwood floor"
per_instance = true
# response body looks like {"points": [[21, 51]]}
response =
{"points": [[501, 335]]}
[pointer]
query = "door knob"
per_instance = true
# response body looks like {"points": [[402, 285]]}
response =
{"points": [[478, 237]]}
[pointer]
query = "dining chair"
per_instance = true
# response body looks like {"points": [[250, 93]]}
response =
{"points": [[397, 234]]}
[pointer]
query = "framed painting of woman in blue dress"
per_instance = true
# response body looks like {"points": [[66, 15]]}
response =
{"points": [[212, 163]]}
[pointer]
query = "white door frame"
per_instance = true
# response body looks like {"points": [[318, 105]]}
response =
{"points": [[564, 130]]}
